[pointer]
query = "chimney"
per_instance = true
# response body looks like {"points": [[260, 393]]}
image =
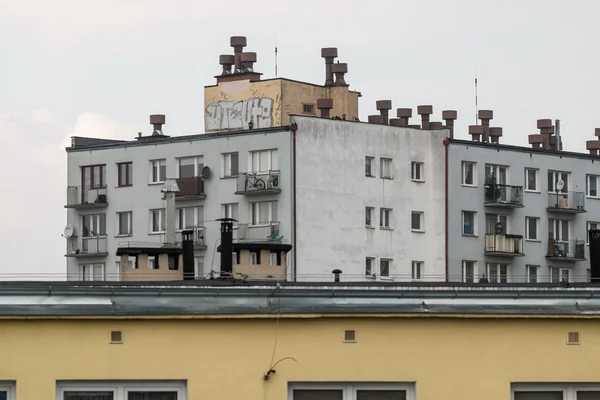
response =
{"points": [[376, 119], [339, 70], [476, 131], [157, 121], [187, 244], [238, 43], [485, 116], [424, 112], [329, 53], [593, 146], [324, 105], [436, 125], [404, 114], [336, 274], [495, 134], [226, 247], [594, 240], [399, 122], [170, 189], [450, 116], [248, 60], [384, 107], [557, 133], [546, 130], [536, 141], [226, 60]]}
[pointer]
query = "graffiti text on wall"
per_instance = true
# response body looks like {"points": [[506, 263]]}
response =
{"points": [[238, 114]]}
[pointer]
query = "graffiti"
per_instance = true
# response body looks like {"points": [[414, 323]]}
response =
{"points": [[238, 114]]}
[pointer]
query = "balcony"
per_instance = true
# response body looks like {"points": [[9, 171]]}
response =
{"points": [[566, 250], [504, 245], [82, 197], [258, 183], [259, 233], [199, 237], [87, 247], [190, 188], [566, 202], [503, 196]]}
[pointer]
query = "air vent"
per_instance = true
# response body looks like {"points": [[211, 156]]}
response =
{"points": [[573, 338], [349, 336], [116, 336]]}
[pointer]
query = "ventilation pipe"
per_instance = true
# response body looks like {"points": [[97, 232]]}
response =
{"points": [[476, 131], [495, 134], [593, 146], [187, 244], [226, 247], [436, 125], [557, 133], [404, 115], [450, 116], [536, 141], [376, 119], [238, 43], [170, 189], [329, 53], [339, 69], [546, 130], [325, 105], [248, 60], [157, 121], [485, 116], [425, 112], [384, 107], [226, 60]]}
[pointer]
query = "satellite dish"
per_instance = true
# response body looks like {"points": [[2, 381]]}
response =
{"points": [[68, 232], [206, 172], [560, 185]]}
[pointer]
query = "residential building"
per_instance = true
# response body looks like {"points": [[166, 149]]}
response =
{"points": [[184, 341]]}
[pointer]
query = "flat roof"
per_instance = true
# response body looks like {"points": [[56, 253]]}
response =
{"points": [[285, 79]]}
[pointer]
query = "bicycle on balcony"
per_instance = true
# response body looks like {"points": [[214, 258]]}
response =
{"points": [[253, 182]]}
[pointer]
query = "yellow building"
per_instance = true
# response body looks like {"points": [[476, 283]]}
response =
{"points": [[226, 340], [241, 100]]}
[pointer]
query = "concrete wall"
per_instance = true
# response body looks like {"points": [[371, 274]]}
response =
{"points": [[142, 196], [440, 356], [262, 271], [143, 273], [535, 204], [332, 193]]}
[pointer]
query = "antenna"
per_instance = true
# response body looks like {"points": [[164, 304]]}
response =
{"points": [[275, 55], [476, 105]]}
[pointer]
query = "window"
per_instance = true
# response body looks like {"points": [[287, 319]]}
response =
{"points": [[556, 176], [369, 266], [417, 270], [132, 262], [255, 257], [385, 168], [93, 225], [385, 217], [124, 220], [7, 391], [468, 222], [230, 211], [532, 225], [590, 226], [93, 176], [121, 391], [351, 391], [558, 229], [384, 267], [497, 273], [416, 173], [592, 186], [190, 167], [263, 161], [468, 173], [153, 262], [158, 171], [370, 167], [558, 275], [263, 212], [275, 258], [158, 222], [235, 258], [468, 271], [125, 172], [561, 391], [173, 262], [491, 220], [91, 272], [496, 173], [532, 273], [308, 108], [230, 165], [369, 211], [417, 223], [531, 180], [190, 217]]}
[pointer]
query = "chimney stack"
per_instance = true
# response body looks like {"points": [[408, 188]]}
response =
{"points": [[384, 107], [376, 119], [248, 60], [593, 146], [436, 125], [404, 115], [325, 105], [226, 60], [187, 244], [485, 116], [536, 141], [170, 189], [594, 241], [495, 134], [238, 43], [329, 53], [226, 247], [546, 130], [476, 131], [450, 116], [425, 112], [339, 69], [157, 121]]}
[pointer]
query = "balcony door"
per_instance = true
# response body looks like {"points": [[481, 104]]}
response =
{"points": [[491, 220], [498, 172], [558, 229], [93, 177]]}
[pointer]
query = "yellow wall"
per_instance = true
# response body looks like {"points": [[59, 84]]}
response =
{"points": [[143, 273], [260, 272], [226, 359]]}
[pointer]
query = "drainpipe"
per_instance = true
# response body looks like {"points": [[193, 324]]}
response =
{"points": [[294, 128], [446, 144]]}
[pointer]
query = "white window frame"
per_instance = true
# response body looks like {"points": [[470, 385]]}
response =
{"points": [[528, 221], [463, 171], [273, 259], [389, 214], [129, 223], [88, 276], [495, 172], [588, 180], [417, 171], [349, 389], [561, 271], [588, 226], [272, 161], [152, 261], [198, 217], [199, 266], [421, 227], [390, 265], [254, 255], [155, 165], [528, 268], [370, 267], [272, 212], [499, 266], [537, 180], [197, 160], [95, 225], [231, 210], [122, 389], [10, 388], [370, 161], [385, 168], [417, 270], [163, 215], [226, 171], [464, 275], [569, 391], [369, 212], [462, 227], [132, 262], [556, 176]]}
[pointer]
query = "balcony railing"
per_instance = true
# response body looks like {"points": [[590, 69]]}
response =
{"points": [[566, 202], [256, 183], [503, 195], [84, 197], [190, 188], [504, 245], [269, 232], [568, 250], [199, 236], [87, 247]]}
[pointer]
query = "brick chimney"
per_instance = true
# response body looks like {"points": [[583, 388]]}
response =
{"points": [[593, 146], [476, 131], [325, 105], [450, 116], [425, 112], [384, 107], [243, 63], [339, 69], [329, 54], [485, 116]]}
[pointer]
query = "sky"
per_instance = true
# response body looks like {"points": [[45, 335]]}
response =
{"points": [[99, 68]]}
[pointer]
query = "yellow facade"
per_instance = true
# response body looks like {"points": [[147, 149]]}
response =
{"points": [[447, 358]]}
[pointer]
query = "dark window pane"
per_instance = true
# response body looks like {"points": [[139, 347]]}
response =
{"points": [[3, 395], [152, 396], [538, 395], [89, 396], [588, 395], [317, 395], [380, 395]]}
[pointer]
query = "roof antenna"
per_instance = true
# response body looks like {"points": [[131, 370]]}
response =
{"points": [[275, 55], [476, 105]]}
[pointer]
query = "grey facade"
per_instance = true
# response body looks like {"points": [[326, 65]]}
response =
{"points": [[544, 235]]}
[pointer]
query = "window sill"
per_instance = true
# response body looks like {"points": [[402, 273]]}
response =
{"points": [[155, 183], [532, 191], [418, 180], [370, 176], [468, 186], [385, 228], [156, 233], [533, 240], [122, 236], [389, 178], [592, 197], [417, 230], [229, 177], [369, 227], [123, 186], [470, 235], [386, 278]]}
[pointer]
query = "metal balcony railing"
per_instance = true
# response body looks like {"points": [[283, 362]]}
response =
{"points": [[248, 182], [503, 194], [568, 249], [199, 236], [191, 187], [566, 202], [92, 246], [269, 232], [81, 197], [504, 244]]}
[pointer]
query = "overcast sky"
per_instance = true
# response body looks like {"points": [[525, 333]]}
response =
{"points": [[100, 67]]}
